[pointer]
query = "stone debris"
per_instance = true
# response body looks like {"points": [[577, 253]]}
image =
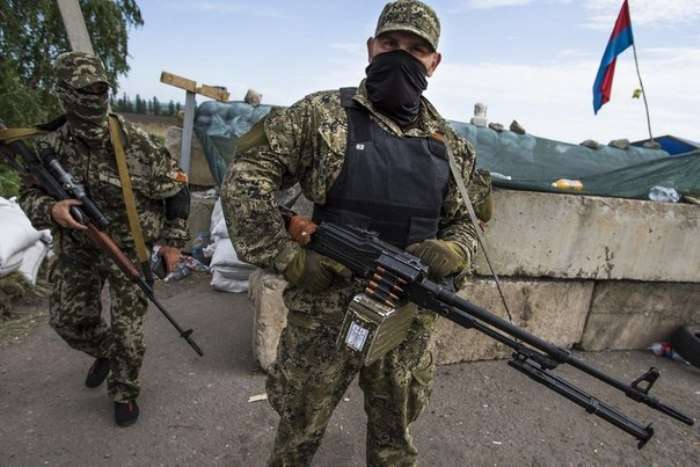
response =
{"points": [[497, 127], [623, 143], [591, 143], [253, 97], [516, 128]]}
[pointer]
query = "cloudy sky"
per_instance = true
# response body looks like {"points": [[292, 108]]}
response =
{"points": [[530, 60]]}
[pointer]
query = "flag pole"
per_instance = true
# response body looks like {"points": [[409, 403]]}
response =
{"points": [[644, 93]]}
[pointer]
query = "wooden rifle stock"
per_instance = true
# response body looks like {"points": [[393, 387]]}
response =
{"points": [[106, 244]]}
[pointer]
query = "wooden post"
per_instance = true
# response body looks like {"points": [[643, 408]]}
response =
{"points": [[187, 128], [191, 90], [74, 22]]}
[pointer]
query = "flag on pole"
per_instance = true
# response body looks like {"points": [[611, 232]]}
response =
{"points": [[620, 39]]}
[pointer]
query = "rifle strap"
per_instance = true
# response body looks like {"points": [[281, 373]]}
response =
{"points": [[10, 135], [128, 194], [477, 226]]}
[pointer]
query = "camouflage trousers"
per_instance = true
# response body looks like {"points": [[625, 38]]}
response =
{"points": [[75, 311], [311, 376]]}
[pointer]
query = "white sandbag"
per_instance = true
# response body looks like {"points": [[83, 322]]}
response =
{"points": [[32, 259], [225, 255], [12, 264], [220, 282], [17, 233], [237, 273], [217, 228]]}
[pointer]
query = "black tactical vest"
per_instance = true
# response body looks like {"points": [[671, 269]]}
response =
{"points": [[392, 185]]}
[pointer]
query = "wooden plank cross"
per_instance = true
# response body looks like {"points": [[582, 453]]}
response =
{"points": [[191, 89]]}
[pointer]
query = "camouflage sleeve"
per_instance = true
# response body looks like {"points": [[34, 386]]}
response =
{"points": [[37, 206], [279, 159], [166, 181], [455, 223]]}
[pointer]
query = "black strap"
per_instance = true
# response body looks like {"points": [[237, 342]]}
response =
{"points": [[358, 117], [54, 124]]}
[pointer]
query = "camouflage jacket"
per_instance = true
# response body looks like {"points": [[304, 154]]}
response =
{"points": [[154, 174], [306, 143]]}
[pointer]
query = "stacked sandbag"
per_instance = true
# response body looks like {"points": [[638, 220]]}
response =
{"points": [[22, 247], [229, 274]]}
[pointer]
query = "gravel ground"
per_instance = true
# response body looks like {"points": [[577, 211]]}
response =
{"points": [[195, 411]]}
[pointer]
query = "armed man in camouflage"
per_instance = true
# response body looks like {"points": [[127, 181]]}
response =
{"points": [[84, 146], [374, 157]]}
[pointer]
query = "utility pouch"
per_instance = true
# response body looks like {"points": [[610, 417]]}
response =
{"points": [[373, 328]]}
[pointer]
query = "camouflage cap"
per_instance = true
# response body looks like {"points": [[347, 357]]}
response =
{"points": [[410, 16], [80, 69]]}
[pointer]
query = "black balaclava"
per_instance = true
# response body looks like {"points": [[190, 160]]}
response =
{"points": [[395, 82]]}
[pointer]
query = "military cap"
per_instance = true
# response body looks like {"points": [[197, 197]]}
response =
{"points": [[80, 69], [410, 16]]}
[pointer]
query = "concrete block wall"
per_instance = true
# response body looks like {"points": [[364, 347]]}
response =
{"points": [[587, 237]]}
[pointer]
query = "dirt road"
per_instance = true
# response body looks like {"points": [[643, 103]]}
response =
{"points": [[195, 411]]}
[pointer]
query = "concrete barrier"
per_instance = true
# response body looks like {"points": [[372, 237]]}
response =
{"points": [[553, 310], [584, 237], [632, 315], [270, 315]]}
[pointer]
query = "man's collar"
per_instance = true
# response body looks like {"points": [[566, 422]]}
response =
{"points": [[426, 124]]}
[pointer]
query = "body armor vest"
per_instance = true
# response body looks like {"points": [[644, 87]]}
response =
{"points": [[392, 185]]}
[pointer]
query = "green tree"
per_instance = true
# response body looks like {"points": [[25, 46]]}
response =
{"points": [[171, 108], [31, 37], [140, 105], [156, 106]]}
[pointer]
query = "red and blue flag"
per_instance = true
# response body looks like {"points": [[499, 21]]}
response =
{"points": [[620, 39]]}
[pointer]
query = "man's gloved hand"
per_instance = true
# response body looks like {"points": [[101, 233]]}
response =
{"points": [[313, 272], [442, 257]]}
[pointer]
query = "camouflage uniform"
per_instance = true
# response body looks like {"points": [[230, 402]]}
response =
{"points": [[306, 143], [85, 150]]}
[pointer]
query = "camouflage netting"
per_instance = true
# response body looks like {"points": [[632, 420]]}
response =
{"points": [[521, 162]]}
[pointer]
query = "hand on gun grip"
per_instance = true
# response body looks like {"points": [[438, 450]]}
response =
{"points": [[313, 272], [60, 213], [442, 257]]}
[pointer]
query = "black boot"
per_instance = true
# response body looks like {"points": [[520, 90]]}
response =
{"points": [[97, 372], [126, 413]]}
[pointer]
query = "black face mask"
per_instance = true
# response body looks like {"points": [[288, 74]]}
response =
{"points": [[395, 82]]}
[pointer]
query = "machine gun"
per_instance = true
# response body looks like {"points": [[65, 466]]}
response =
{"points": [[395, 275], [46, 172]]}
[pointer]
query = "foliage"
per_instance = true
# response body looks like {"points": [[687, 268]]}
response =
{"points": [[140, 105], [32, 35], [9, 182]]}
